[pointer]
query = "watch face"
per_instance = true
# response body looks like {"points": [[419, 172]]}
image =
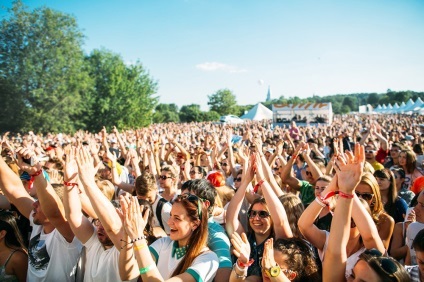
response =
{"points": [[274, 271]]}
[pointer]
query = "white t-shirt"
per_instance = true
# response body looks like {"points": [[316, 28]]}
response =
{"points": [[411, 232], [203, 268], [165, 212], [351, 261], [50, 256], [101, 265]]}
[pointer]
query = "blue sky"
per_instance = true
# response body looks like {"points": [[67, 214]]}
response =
{"points": [[299, 48]]}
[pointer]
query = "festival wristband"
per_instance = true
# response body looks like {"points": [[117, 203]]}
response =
{"points": [[144, 270], [69, 184], [139, 247], [345, 195], [244, 265], [37, 173]]}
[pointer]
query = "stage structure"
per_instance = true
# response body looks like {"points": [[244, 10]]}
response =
{"points": [[302, 114]]}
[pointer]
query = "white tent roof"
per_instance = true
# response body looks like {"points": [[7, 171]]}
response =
{"points": [[408, 107], [258, 112], [418, 105]]}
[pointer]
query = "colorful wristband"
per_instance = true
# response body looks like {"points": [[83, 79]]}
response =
{"points": [[70, 184], [139, 247], [37, 173], [345, 195], [244, 265], [144, 270]]}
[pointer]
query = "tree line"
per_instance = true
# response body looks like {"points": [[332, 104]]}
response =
{"points": [[48, 83]]}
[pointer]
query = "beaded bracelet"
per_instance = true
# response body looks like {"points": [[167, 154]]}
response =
{"points": [[137, 239], [144, 270]]}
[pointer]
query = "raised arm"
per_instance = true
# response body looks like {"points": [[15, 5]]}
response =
{"points": [[286, 173], [349, 173], [232, 223], [102, 206], [278, 213], [14, 190], [79, 224]]}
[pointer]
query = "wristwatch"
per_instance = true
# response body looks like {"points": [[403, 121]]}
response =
{"points": [[273, 271]]}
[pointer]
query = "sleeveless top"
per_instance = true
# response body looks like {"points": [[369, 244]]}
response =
{"points": [[7, 277]]}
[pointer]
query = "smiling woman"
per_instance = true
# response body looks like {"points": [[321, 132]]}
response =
{"points": [[184, 253]]}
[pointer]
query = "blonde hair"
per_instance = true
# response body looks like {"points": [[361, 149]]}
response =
{"points": [[107, 188], [376, 204]]}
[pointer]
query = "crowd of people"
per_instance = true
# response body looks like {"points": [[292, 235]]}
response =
{"points": [[216, 202]]}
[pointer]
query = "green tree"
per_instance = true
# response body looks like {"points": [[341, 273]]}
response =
{"points": [[351, 102], [124, 94], [373, 99], [42, 65], [223, 102], [210, 116], [166, 113], [191, 113]]}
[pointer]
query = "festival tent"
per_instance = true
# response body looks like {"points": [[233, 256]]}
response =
{"points": [[418, 105], [408, 107], [303, 113], [258, 112], [378, 109]]}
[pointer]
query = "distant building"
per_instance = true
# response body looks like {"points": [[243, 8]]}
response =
{"points": [[268, 95]]}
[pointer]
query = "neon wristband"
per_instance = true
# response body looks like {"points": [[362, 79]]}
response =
{"points": [[139, 247], [144, 270]]}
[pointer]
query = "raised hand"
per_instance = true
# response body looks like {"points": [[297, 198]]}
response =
{"points": [[85, 166], [268, 260], [71, 168], [349, 170], [134, 222], [241, 247]]}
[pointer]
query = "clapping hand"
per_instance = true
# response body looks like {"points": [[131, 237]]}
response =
{"points": [[241, 247], [134, 222]]}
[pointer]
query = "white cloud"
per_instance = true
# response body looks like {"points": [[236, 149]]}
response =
{"points": [[215, 66]]}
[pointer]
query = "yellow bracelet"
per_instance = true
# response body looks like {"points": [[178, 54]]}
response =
{"points": [[139, 247]]}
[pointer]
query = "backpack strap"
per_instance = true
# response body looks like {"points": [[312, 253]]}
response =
{"points": [[159, 207]]}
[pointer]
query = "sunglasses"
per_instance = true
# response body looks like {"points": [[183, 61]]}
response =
{"points": [[193, 172], [308, 173], [164, 177], [386, 264], [369, 151], [365, 196], [194, 200], [261, 214], [224, 164], [238, 179]]}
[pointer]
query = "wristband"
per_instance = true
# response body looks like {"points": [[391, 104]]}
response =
{"points": [[137, 239], [256, 188], [243, 276], [345, 195], [139, 247], [144, 270], [244, 265], [37, 173], [69, 184], [320, 202]]}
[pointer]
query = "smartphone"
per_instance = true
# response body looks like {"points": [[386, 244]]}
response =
{"points": [[408, 211]]}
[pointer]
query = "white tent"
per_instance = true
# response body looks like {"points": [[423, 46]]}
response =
{"points": [[258, 112], [408, 107], [418, 105]]}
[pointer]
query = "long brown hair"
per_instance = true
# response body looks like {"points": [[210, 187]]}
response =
{"points": [[411, 159], [199, 237]]}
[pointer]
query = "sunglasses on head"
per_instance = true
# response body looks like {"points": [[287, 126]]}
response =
{"points": [[237, 179], [164, 177], [386, 264], [261, 214], [192, 199], [365, 196]]}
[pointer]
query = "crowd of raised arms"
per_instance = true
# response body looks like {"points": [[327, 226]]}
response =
{"points": [[216, 202]]}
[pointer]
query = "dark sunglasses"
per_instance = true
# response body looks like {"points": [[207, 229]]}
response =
{"points": [[164, 177], [308, 173], [386, 264], [192, 199], [369, 151], [237, 179], [261, 214], [224, 164], [365, 196]]}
